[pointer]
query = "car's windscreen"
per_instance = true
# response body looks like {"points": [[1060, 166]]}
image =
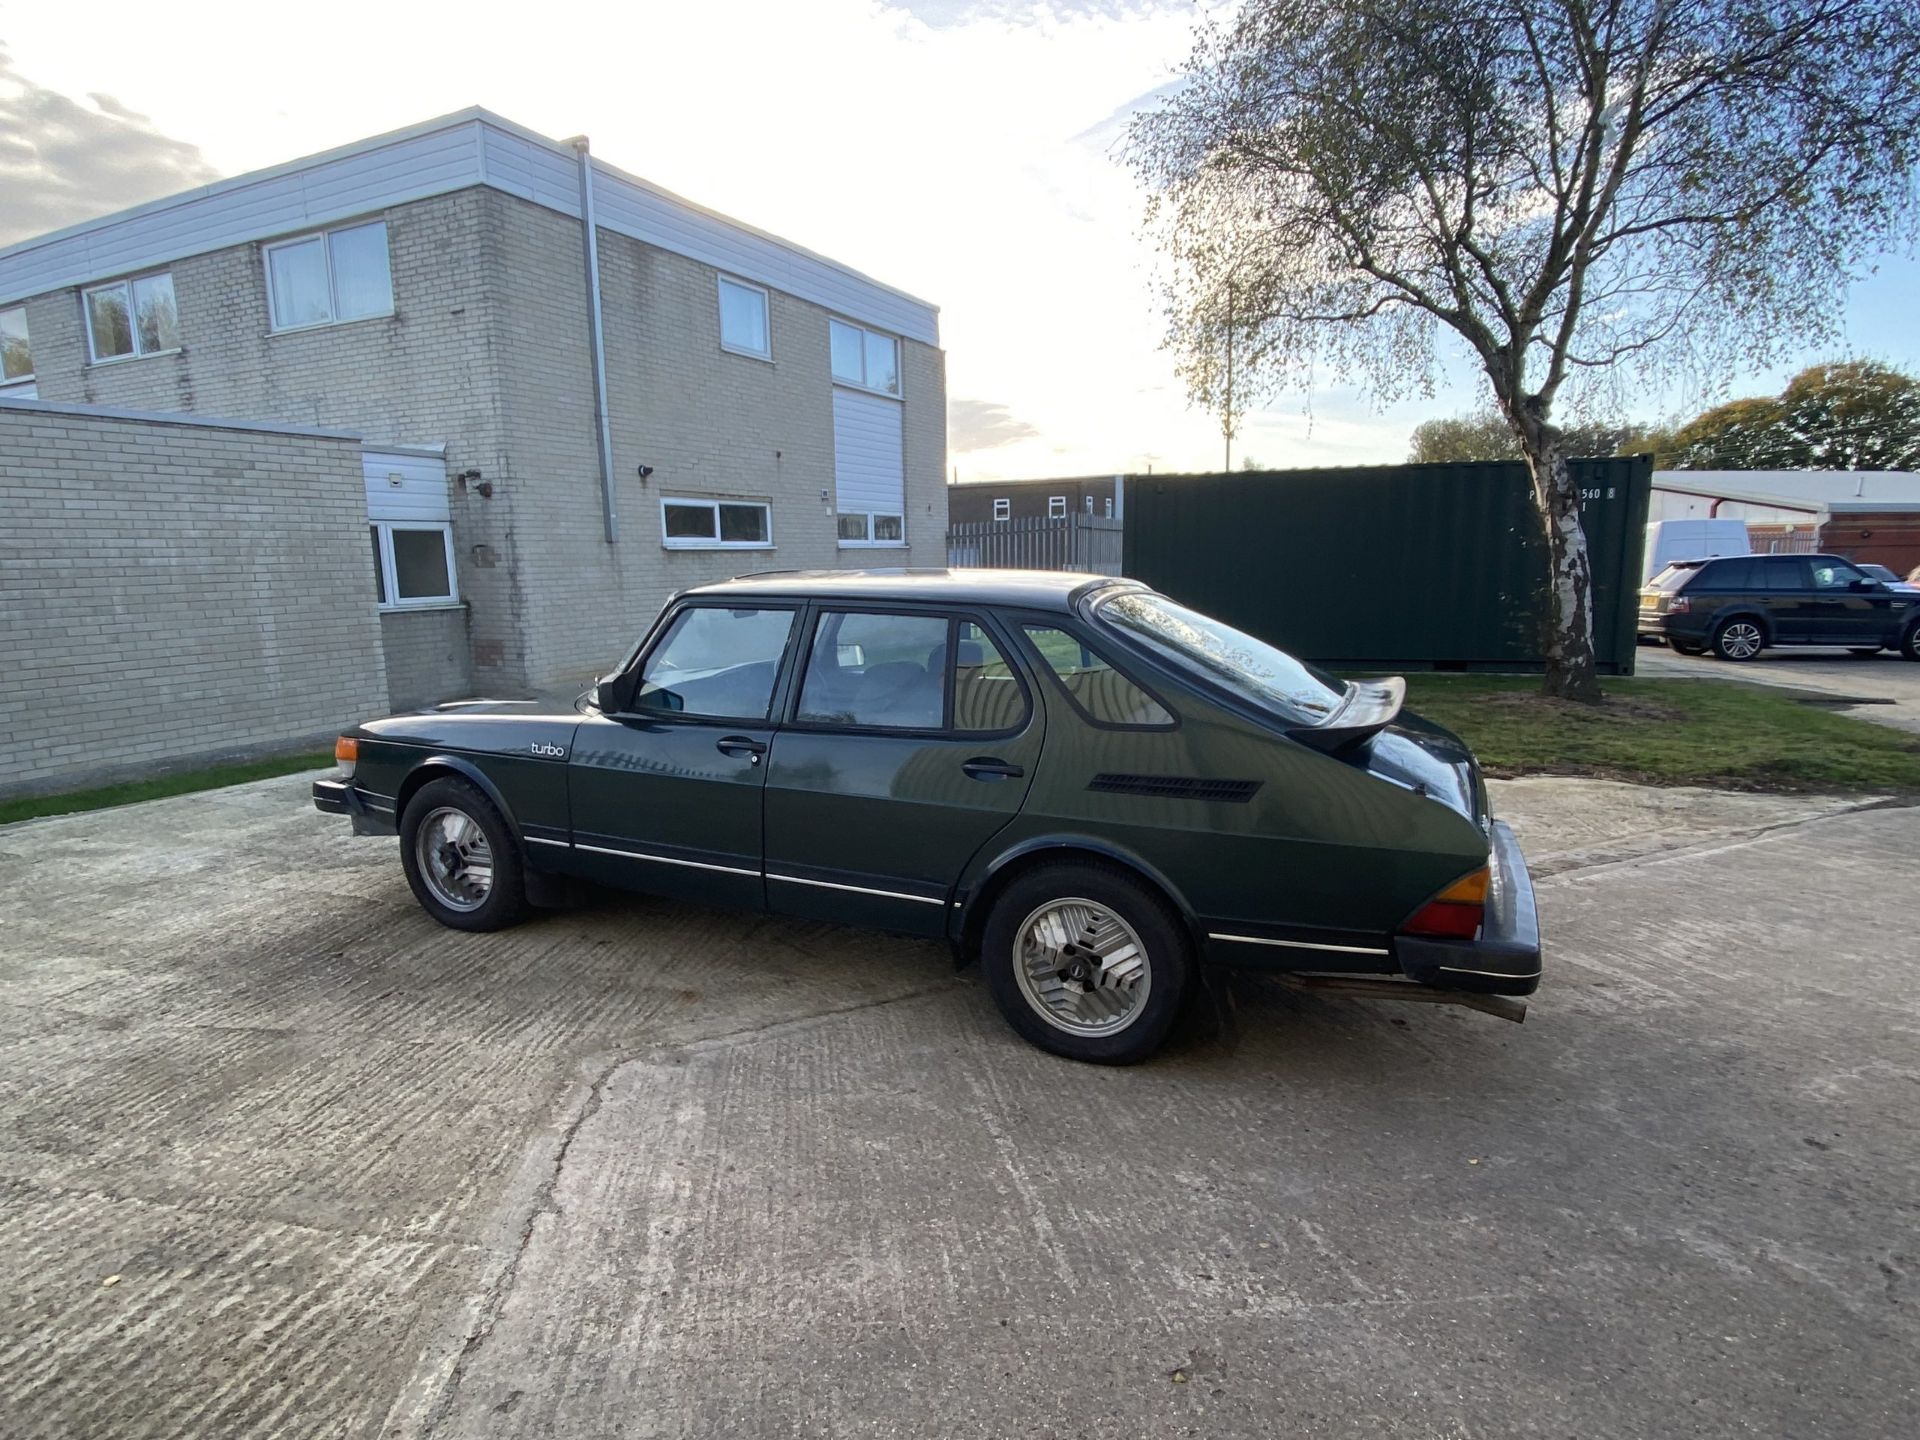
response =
{"points": [[1674, 576], [1261, 672]]}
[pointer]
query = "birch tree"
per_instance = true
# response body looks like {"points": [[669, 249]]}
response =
{"points": [[1568, 191]]}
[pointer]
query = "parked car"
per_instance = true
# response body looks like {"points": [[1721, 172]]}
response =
{"points": [[1740, 605], [1888, 578], [1078, 782]]}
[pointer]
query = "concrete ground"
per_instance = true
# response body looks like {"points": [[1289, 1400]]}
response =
{"points": [[1892, 682], [279, 1157]]}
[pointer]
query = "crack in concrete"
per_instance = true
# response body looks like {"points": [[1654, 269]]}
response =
{"points": [[500, 1291], [494, 1303]]}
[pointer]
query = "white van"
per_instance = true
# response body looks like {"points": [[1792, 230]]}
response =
{"points": [[1670, 540]]}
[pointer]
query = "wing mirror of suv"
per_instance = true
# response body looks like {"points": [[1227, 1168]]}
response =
{"points": [[1864, 585]]}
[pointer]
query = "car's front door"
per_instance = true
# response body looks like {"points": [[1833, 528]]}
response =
{"points": [[666, 797], [1849, 608], [911, 741]]}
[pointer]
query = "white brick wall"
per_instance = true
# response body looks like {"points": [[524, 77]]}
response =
{"points": [[175, 592], [487, 352]]}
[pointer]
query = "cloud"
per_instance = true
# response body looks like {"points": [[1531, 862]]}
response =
{"points": [[983, 425], [64, 160]]}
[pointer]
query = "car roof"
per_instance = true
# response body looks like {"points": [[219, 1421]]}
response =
{"points": [[1033, 589]]}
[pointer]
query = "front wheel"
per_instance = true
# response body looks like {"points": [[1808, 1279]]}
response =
{"points": [[460, 858], [1086, 961], [1910, 643], [1738, 639]]}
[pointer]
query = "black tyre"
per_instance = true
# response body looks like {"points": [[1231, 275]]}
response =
{"points": [[1910, 643], [1865, 650], [1086, 961], [1739, 639], [1687, 647], [461, 860]]}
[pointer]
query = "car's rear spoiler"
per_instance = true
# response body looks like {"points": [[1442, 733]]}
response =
{"points": [[1369, 708]]}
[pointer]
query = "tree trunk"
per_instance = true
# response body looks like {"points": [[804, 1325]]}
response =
{"points": [[1570, 660]]}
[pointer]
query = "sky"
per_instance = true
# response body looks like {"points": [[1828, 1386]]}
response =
{"points": [[967, 151]]}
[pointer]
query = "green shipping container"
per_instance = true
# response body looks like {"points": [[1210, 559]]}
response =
{"points": [[1389, 567]]}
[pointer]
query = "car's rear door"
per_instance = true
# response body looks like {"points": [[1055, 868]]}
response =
{"points": [[910, 741], [667, 798], [1787, 597]]}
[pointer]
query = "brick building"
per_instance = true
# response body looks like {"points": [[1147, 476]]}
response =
{"points": [[544, 459]]}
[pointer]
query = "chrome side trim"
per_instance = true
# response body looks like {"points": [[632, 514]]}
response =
{"points": [[858, 889], [375, 805], [1297, 944], [542, 840], [667, 860]]}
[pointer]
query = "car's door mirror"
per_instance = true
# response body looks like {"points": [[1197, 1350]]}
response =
{"points": [[612, 693], [1864, 585]]}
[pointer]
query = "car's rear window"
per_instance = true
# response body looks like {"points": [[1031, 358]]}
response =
{"points": [[1263, 673], [1674, 576]]}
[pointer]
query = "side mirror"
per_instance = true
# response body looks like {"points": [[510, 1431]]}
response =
{"points": [[1864, 585], [610, 694]]}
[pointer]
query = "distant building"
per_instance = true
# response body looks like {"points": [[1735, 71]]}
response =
{"points": [[1870, 515], [1102, 496]]}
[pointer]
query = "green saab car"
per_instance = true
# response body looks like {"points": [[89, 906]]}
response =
{"points": [[1080, 783]]}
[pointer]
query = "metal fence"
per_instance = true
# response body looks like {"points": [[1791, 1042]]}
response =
{"points": [[1088, 543]]}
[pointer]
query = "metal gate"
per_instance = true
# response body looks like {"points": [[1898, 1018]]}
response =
{"points": [[1086, 543]]}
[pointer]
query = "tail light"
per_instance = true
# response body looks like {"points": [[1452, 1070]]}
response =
{"points": [[1679, 605], [1457, 912], [346, 750]]}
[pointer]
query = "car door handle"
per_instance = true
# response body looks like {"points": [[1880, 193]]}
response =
{"points": [[738, 745], [985, 768]]}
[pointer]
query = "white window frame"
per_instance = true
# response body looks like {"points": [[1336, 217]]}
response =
{"points": [[325, 237], [133, 318], [7, 382], [870, 516], [390, 572], [766, 311], [1056, 507], [713, 503], [899, 370], [1002, 508]]}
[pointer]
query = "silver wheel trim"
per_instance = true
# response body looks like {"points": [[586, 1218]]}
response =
{"points": [[1081, 967], [454, 858], [1741, 639]]}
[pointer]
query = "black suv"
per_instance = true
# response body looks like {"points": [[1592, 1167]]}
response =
{"points": [[1738, 605]]}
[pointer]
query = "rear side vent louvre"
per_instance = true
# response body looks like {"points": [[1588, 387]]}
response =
{"points": [[1177, 787]]}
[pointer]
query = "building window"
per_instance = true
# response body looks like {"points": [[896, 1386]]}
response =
{"points": [[1003, 509], [871, 528], [1056, 507], [687, 524], [413, 564], [132, 317], [322, 279], [16, 354], [743, 319], [864, 357]]}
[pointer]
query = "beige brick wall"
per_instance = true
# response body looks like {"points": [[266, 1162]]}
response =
{"points": [[176, 592], [487, 352], [428, 656]]}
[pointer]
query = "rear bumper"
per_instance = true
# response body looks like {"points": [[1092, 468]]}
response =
{"points": [[339, 797], [1505, 960]]}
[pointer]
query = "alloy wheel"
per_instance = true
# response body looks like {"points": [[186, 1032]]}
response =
{"points": [[1740, 640], [455, 859], [1081, 967]]}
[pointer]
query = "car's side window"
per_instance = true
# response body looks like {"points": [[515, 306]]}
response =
{"points": [[1730, 576], [1784, 572], [1832, 575], [1098, 691], [986, 693], [716, 663], [872, 670]]}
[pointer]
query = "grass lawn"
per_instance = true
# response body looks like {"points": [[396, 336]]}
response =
{"points": [[159, 787], [1669, 732]]}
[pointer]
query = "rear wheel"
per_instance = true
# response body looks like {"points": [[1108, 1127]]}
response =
{"points": [[1738, 639], [1688, 647], [460, 858], [1087, 962]]}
